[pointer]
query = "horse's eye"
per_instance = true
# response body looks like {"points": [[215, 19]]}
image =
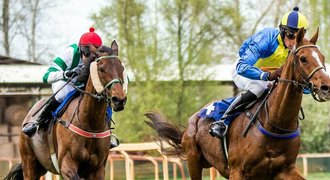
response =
{"points": [[303, 59], [101, 70]]}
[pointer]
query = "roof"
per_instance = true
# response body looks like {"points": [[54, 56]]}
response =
{"points": [[10, 60], [22, 73]]}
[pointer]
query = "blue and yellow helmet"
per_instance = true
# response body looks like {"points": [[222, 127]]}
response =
{"points": [[294, 20]]}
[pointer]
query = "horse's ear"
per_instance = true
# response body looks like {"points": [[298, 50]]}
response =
{"points": [[315, 36], [300, 36], [114, 47]]}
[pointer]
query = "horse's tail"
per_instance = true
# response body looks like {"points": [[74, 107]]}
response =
{"points": [[16, 173], [167, 133]]}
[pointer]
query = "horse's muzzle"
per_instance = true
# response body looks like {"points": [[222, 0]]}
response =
{"points": [[323, 92], [118, 104]]}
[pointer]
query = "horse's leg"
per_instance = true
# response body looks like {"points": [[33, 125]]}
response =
{"points": [[32, 169], [289, 173], [193, 157], [98, 175], [235, 174], [69, 168], [195, 167]]}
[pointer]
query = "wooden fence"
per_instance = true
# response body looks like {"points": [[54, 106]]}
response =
{"points": [[124, 152]]}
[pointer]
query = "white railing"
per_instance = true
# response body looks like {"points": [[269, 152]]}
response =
{"points": [[124, 153]]}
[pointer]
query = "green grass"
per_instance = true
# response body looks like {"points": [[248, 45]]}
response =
{"points": [[319, 176]]}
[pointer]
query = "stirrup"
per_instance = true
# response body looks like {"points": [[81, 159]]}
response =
{"points": [[218, 129], [29, 132], [114, 142]]}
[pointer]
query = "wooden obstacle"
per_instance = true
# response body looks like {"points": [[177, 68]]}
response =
{"points": [[124, 150]]}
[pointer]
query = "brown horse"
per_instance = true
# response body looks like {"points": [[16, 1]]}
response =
{"points": [[262, 153], [81, 140]]}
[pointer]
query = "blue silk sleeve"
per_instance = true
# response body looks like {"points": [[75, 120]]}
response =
{"points": [[255, 49]]}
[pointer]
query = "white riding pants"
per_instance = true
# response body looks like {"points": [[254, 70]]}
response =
{"points": [[257, 87], [60, 96]]}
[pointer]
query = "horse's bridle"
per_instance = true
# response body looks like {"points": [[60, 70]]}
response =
{"points": [[305, 78], [105, 93], [107, 88]]}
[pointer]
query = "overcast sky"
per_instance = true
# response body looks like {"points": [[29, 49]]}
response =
{"points": [[61, 26], [72, 18]]}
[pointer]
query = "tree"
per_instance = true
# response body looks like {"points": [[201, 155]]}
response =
{"points": [[168, 43], [5, 26], [20, 20], [32, 17], [153, 54], [11, 19]]}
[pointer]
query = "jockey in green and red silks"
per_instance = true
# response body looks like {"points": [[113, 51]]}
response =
{"points": [[73, 61]]}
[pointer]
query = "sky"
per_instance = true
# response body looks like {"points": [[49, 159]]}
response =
{"points": [[61, 26], [72, 18]]}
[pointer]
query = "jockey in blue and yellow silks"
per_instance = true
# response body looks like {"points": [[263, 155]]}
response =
{"points": [[267, 48]]}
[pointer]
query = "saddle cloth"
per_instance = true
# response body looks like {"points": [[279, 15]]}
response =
{"points": [[216, 110], [72, 95]]}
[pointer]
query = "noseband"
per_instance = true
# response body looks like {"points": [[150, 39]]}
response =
{"points": [[102, 91], [302, 74], [306, 84], [107, 88]]}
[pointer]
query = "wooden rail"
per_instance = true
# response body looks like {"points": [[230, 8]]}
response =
{"points": [[305, 162], [124, 149], [124, 153]]}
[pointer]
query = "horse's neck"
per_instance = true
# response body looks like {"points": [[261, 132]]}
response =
{"points": [[284, 103], [91, 109]]}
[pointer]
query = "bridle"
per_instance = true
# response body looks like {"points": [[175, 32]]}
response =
{"points": [[104, 94], [305, 84]]}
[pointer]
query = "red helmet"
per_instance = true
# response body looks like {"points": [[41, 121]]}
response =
{"points": [[90, 37]]}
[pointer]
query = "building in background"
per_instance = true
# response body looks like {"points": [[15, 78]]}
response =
{"points": [[20, 87]]}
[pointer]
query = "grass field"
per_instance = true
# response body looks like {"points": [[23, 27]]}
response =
{"points": [[319, 176], [312, 176]]}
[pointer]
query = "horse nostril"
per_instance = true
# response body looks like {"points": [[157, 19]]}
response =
{"points": [[325, 89], [117, 100]]}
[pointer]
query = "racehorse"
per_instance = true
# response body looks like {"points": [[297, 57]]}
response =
{"points": [[81, 140], [270, 147]]}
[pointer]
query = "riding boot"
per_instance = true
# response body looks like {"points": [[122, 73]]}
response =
{"points": [[219, 128], [114, 142], [31, 128]]}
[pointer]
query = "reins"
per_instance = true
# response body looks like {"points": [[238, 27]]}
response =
{"points": [[104, 95], [305, 84], [107, 87]]}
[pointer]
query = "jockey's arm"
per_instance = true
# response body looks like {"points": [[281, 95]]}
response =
{"points": [[59, 65], [255, 50]]}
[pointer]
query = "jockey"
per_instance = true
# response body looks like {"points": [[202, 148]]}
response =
{"points": [[266, 48], [73, 61]]}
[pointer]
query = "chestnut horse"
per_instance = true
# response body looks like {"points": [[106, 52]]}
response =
{"points": [[81, 140], [262, 153]]}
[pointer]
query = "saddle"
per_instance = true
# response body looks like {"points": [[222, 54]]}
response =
{"points": [[217, 109], [71, 96], [64, 105]]}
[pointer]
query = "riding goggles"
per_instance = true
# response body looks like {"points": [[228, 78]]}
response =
{"points": [[289, 34], [84, 50]]}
